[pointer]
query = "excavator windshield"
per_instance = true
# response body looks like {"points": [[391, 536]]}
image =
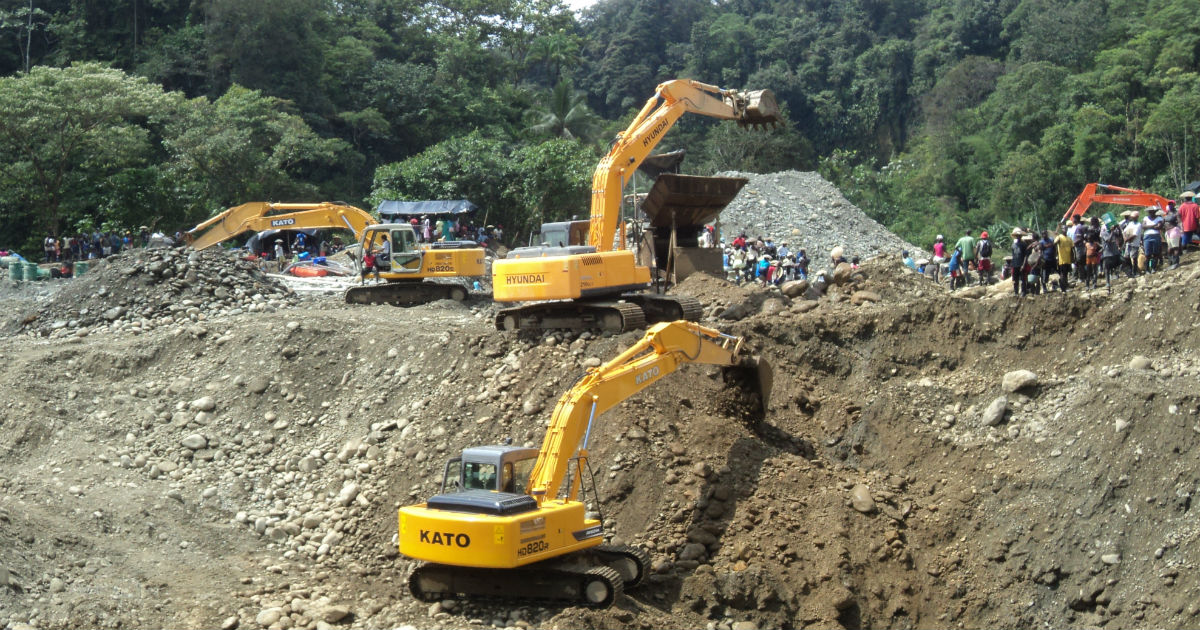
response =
{"points": [[478, 476]]}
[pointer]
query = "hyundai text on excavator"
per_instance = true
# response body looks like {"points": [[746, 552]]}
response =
{"points": [[1099, 193], [601, 285], [510, 521], [404, 272]]}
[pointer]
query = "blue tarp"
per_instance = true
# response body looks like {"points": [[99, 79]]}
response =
{"points": [[388, 209]]}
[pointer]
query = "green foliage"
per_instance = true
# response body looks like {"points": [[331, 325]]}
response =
{"points": [[66, 135]]}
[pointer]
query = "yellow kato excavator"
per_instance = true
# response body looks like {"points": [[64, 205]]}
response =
{"points": [[600, 285], [404, 265], [510, 522]]}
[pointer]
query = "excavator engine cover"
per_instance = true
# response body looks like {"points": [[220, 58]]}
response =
{"points": [[761, 109]]}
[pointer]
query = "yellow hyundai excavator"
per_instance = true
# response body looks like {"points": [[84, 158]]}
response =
{"points": [[600, 285], [510, 522], [404, 267]]}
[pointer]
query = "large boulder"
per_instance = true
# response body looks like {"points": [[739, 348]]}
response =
{"points": [[842, 273], [1017, 380], [794, 288]]}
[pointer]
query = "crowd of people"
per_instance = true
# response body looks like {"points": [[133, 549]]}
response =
{"points": [[762, 261], [1081, 250], [99, 244]]}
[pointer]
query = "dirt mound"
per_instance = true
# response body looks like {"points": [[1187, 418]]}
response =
{"points": [[145, 288], [807, 212], [243, 470]]}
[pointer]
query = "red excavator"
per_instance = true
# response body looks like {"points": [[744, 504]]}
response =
{"points": [[1098, 193]]}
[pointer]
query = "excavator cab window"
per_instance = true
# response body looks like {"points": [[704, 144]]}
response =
{"points": [[478, 476], [452, 479], [404, 240], [521, 471]]}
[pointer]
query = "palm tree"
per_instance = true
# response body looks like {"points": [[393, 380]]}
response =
{"points": [[566, 115]]}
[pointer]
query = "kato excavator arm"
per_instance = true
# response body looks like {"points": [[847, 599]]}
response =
{"points": [[664, 348], [261, 215], [1098, 193]]}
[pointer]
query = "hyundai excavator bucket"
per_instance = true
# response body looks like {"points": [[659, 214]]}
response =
{"points": [[760, 109]]}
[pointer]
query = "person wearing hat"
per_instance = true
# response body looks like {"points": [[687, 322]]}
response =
{"points": [[279, 257], [1132, 234], [983, 254], [907, 260], [1019, 252], [1065, 248], [1152, 229], [1110, 256]]}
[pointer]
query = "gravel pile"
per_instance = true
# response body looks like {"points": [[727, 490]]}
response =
{"points": [[807, 212], [146, 288]]}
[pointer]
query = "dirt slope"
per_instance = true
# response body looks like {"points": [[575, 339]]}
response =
{"points": [[243, 470]]}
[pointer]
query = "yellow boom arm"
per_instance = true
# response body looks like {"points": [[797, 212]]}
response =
{"points": [[661, 351], [262, 215], [670, 101]]}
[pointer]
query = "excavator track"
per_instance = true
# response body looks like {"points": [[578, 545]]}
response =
{"points": [[632, 563], [595, 587], [405, 293], [610, 316], [667, 308]]}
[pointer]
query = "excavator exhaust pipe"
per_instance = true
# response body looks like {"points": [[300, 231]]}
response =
{"points": [[760, 109]]}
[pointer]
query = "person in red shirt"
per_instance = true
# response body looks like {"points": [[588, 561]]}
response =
{"points": [[1189, 219]]}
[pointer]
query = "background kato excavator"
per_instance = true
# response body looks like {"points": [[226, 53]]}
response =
{"points": [[1099, 193], [504, 525], [600, 285], [404, 272]]}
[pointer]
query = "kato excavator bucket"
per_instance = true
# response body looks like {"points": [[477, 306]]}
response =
{"points": [[752, 375], [759, 109]]}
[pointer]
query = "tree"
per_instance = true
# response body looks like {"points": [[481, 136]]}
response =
{"points": [[65, 131], [247, 146], [1173, 128], [564, 115]]}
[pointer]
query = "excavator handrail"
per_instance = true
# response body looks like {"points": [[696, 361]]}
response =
{"points": [[670, 101], [1092, 193], [661, 351], [262, 215]]}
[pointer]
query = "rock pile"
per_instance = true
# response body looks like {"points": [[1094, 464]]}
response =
{"points": [[807, 212], [142, 289]]}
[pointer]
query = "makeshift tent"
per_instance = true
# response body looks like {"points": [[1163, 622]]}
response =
{"points": [[390, 211]]}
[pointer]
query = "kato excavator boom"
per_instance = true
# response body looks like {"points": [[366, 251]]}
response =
{"points": [[257, 216], [510, 521], [600, 285]]}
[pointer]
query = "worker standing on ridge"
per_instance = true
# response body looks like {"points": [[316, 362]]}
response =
{"points": [[967, 245], [1189, 219], [1066, 251], [983, 252]]}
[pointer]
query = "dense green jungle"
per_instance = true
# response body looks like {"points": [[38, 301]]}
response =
{"points": [[931, 115]]}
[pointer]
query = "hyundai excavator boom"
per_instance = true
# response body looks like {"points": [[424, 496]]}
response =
{"points": [[510, 521], [600, 285]]}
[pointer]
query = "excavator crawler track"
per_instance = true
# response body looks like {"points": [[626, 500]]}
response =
{"points": [[610, 316], [632, 563], [667, 308], [405, 293], [595, 587]]}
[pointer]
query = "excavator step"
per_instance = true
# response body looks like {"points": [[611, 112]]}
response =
{"points": [[595, 587], [405, 293], [610, 316]]}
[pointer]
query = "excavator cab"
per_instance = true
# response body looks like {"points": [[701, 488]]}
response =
{"points": [[405, 255], [496, 468]]}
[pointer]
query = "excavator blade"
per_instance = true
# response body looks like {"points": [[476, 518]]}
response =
{"points": [[761, 109]]}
